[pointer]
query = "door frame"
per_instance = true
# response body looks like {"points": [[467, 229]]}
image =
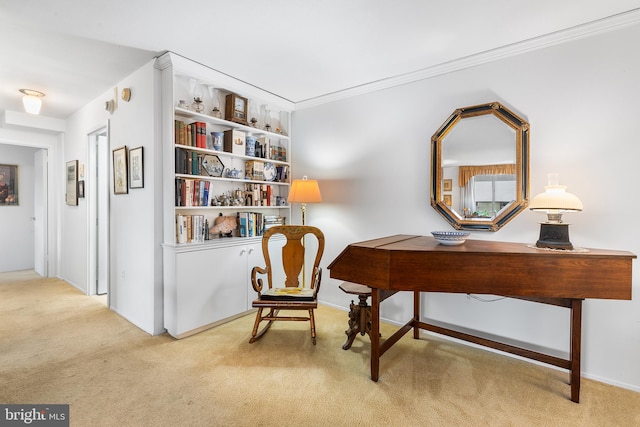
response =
{"points": [[97, 148], [52, 193]]}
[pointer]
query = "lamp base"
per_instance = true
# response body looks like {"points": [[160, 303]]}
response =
{"points": [[554, 236]]}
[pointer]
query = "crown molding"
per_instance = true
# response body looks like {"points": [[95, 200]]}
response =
{"points": [[580, 31]]}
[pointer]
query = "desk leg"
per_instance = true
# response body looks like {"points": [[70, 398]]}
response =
{"points": [[375, 333], [416, 314], [576, 347]]}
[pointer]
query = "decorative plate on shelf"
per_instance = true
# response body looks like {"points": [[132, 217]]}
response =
{"points": [[212, 165], [269, 171]]}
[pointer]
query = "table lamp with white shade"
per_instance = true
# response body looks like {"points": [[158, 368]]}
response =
{"points": [[554, 233]]}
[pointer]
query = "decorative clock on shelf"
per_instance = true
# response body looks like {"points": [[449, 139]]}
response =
{"points": [[235, 109]]}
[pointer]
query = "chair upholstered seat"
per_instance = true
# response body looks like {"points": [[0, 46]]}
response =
{"points": [[290, 295]]}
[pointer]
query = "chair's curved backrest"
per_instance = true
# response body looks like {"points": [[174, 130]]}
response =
{"points": [[293, 252]]}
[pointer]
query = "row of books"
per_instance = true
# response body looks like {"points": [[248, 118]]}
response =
{"points": [[191, 134], [195, 228], [195, 135], [189, 162], [192, 192], [259, 195], [252, 224], [191, 228]]}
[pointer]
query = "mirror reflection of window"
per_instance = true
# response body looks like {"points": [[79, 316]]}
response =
{"points": [[492, 193]]}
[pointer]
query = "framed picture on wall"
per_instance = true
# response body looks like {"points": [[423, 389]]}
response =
{"points": [[71, 194], [136, 168], [447, 199], [120, 182], [8, 185], [447, 185]]}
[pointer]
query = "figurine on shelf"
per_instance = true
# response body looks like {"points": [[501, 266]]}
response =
{"points": [[224, 226], [183, 104]]}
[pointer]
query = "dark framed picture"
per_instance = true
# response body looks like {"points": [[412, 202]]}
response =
{"points": [[120, 182], [235, 109], [136, 168], [447, 185], [71, 195], [8, 185], [81, 189]]}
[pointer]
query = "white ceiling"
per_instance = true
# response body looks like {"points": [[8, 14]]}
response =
{"points": [[75, 50]]}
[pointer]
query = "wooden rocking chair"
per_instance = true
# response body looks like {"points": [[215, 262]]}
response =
{"points": [[290, 295]]}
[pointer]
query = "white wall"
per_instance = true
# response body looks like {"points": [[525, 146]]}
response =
{"points": [[135, 218], [371, 155], [16, 225]]}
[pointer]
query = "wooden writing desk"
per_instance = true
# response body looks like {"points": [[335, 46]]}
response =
{"points": [[419, 264]]}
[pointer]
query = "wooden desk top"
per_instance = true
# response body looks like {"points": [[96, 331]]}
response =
{"points": [[409, 262]]}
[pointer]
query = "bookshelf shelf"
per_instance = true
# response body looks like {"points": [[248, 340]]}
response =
{"points": [[194, 116]]}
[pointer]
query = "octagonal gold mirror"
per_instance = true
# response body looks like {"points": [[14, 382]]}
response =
{"points": [[480, 167]]}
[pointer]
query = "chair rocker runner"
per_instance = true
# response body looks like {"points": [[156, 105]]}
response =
{"points": [[293, 295]]}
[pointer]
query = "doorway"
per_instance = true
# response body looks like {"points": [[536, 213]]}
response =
{"points": [[98, 223], [40, 211]]}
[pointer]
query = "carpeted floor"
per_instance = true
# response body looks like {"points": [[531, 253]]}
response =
{"points": [[60, 346]]}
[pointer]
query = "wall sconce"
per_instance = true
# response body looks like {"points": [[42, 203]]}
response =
{"points": [[32, 100], [555, 201]]}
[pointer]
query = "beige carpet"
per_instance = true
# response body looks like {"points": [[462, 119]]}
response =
{"points": [[59, 346]]}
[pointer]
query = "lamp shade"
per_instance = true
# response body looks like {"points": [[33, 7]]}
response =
{"points": [[304, 191], [555, 198]]}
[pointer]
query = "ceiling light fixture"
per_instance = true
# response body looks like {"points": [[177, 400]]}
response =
{"points": [[32, 100]]}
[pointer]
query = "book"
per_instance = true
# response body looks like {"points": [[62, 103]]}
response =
{"points": [[235, 141], [243, 224], [205, 201], [181, 229]]}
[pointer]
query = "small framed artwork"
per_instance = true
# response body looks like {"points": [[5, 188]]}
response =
{"points": [[136, 168], [447, 199], [235, 109], [120, 182], [71, 195], [81, 189], [447, 185], [212, 165], [8, 185]]}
